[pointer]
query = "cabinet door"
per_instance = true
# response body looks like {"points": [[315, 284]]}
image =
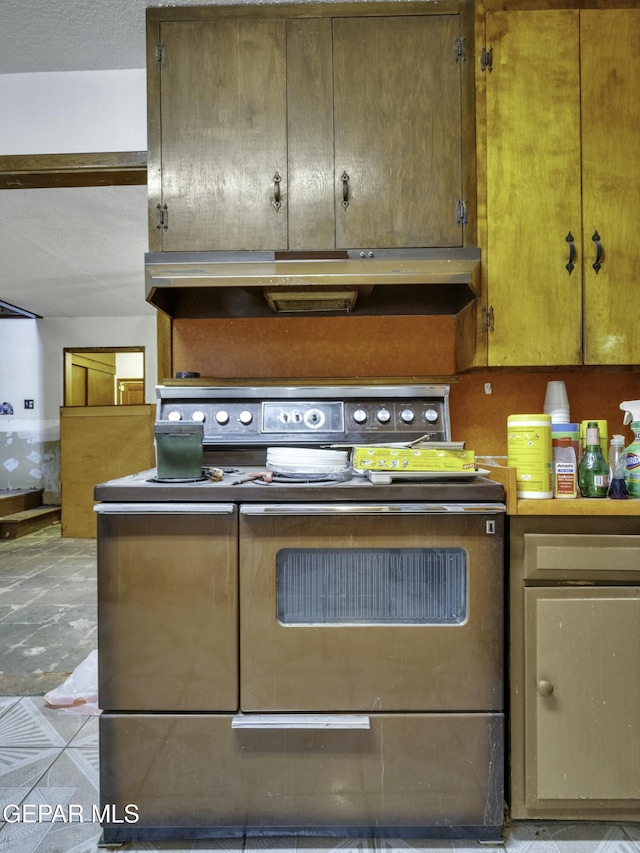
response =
{"points": [[533, 188], [168, 608], [582, 694], [310, 202], [398, 133], [610, 48], [224, 152]]}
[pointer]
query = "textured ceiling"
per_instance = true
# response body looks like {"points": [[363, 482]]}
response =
{"points": [[75, 35], [74, 252]]}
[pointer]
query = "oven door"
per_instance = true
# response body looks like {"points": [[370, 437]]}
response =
{"points": [[371, 608]]}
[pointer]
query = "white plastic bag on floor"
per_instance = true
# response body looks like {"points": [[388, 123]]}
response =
{"points": [[79, 693]]}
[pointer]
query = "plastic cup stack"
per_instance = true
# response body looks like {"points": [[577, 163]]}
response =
{"points": [[556, 402]]}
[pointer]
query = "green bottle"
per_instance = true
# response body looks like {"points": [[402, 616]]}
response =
{"points": [[593, 471]]}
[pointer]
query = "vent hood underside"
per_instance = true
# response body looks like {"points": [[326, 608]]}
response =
{"points": [[268, 284]]}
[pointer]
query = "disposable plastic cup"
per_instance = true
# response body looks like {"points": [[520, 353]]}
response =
{"points": [[556, 398]]}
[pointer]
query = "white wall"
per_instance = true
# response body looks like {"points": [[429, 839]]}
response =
{"points": [[62, 113], [32, 368]]}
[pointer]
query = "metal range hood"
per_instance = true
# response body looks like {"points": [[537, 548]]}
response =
{"points": [[267, 284]]}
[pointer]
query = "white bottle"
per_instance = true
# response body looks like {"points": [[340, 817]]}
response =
{"points": [[565, 469]]}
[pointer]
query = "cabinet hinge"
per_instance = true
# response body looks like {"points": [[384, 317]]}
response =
{"points": [[162, 217], [487, 319], [461, 212], [459, 49], [160, 56], [486, 59]]}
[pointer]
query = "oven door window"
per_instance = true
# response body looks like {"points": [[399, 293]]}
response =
{"points": [[371, 586]]}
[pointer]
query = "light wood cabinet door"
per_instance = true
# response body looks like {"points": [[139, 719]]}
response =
{"points": [[398, 131], [582, 695], [610, 53], [223, 110], [563, 180], [533, 188]]}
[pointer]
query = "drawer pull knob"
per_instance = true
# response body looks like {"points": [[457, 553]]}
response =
{"points": [[545, 688]]}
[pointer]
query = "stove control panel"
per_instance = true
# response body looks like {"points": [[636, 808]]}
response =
{"points": [[412, 418], [261, 416], [303, 417]]}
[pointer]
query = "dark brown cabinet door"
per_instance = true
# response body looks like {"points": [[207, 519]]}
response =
{"points": [[398, 131], [223, 148], [167, 607], [306, 133]]}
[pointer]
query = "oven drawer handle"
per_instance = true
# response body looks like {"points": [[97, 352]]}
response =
{"points": [[368, 509], [300, 721], [164, 508]]}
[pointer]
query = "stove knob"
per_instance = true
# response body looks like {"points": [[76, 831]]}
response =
{"points": [[222, 417], [431, 415], [245, 417], [198, 417], [360, 416], [384, 416], [174, 416], [407, 416]]}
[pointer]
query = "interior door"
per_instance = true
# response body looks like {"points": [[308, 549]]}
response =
{"points": [[398, 131], [224, 149], [534, 188], [345, 610], [610, 47]]}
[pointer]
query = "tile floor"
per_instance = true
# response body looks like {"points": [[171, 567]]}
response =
{"points": [[49, 759]]}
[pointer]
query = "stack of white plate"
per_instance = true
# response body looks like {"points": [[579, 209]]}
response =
{"points": [[302, 460]]}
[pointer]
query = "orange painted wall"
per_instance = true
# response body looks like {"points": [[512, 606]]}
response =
{"points": [[406, 349], [480, 419], [320, 347]]}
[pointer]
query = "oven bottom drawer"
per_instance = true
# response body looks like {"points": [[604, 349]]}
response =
{"points": [[407, 775]]}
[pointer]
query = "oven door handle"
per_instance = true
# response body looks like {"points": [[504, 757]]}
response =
{"points": [[300, 721], [369, 509], [164, 508]]}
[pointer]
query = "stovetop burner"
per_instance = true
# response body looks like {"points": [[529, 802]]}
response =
{"points": [[302, 477], [172, 480]]}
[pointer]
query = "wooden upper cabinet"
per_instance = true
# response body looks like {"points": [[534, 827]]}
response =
{"points": [[610, 52], [398, 134], [223, 145], [274, 129], [533, 188], [562, 139]]}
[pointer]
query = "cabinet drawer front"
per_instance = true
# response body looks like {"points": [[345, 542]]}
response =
{"points": [[195, 776], [569, 556]]}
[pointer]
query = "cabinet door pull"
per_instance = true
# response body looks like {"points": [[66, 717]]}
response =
{"points": [[545, 688], [345, 189], [599, 252], [276, 191], [572, 253]]}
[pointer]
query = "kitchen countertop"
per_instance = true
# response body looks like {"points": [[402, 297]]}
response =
{"points": [[558, 506]]}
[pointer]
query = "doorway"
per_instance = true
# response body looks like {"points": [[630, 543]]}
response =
{"points": [[104, 376]]}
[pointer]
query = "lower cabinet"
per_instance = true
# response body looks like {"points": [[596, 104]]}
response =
{"points": [[575, 668]]}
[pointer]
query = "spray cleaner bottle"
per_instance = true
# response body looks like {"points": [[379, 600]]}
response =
{"points": [[631, 409]]}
